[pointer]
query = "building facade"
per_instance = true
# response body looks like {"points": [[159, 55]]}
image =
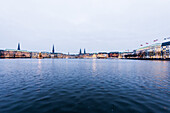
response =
{"points": [[102, 55], [166, 49], [113, 54], [151, 51]]}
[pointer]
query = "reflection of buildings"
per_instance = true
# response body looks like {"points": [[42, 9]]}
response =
{"points": [[94, 66]]}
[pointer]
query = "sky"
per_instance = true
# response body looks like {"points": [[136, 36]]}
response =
{"points": [[96, 25]]}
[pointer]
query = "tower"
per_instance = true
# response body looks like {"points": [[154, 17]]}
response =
{"points": [[80, 52], [84, 51], [53, 49], [18, 46]]}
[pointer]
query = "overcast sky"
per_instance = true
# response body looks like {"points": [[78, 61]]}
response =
{"points": [[97, 25]]}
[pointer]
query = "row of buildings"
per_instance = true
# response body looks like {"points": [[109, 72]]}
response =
{"points": [[153, 51], [26, 54], [18, 53]]}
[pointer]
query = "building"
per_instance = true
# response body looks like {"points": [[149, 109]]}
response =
{"points": [[1, 53], [12, 53], [113, 54], [102, 55], [46, 54], [92, 55], [166, 48], [151, 51], [125, 55], [34, 54]]}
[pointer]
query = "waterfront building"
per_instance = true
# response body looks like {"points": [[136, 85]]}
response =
{"points": [[113, 54], [1, 53], [151, 51], [22, 54], [40, 56], [71, 56], [60, 55], [87, 55], [34, 54], [166, 48], [46, 54], [94, 55], [126, 55], [102, 55], [12, 53]]}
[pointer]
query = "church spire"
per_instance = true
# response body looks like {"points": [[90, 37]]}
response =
{"points": [[53, 49], [84, 51], [80, 52], [18, 46]]}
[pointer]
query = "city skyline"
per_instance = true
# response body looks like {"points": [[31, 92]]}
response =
{"points": [[94, 25], [53, 50]]}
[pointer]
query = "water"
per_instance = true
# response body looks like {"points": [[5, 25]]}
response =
{"points": [[84, 86]]}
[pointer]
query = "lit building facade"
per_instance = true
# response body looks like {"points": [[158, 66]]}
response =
{"points": [[10, 53], [166, 48], [113, 54], [152, 51], [102, 55]]}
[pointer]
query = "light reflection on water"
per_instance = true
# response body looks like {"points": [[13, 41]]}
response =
{"points": [[94, 67], [84, 85], [39, 67]]}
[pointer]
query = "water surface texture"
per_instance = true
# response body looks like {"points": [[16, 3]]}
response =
{"points": [[84, 86]]}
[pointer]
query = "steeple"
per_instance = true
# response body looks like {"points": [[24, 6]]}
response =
{"points": [[53, 49], [84, 51], [18, 46], [80, 52]]}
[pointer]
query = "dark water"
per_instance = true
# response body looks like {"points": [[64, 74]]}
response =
{"points": [[84, 86]]}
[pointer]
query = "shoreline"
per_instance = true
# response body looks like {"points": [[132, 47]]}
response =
{"points": [[151, 59]]}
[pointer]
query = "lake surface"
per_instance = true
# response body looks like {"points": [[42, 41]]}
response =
{"points": [[84, 86]]}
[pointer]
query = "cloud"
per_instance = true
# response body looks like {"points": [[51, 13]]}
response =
{"points": [[93, 24]]}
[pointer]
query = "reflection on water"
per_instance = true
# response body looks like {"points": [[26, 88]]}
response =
{"points": [[39, 67], [84, 86], [94, 65]]}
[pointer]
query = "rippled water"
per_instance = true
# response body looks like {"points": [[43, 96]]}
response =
{"points": [[84, 86]]}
